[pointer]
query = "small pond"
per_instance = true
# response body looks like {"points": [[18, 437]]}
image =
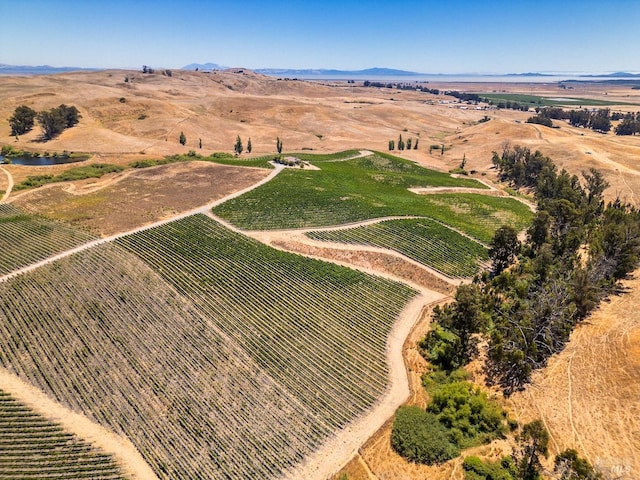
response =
{"points": [[40, 161]]}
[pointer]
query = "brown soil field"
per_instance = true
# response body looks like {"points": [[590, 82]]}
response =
{"points": [[589, 394], [125, 201]]}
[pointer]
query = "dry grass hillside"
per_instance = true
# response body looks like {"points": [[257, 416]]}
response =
{"points": [[588, 396], [145, 115]]}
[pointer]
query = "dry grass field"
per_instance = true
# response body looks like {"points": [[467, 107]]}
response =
{"points": [[134, 198], [588, 396]]}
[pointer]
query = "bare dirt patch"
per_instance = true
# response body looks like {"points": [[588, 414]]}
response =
{"points": [[122, 203], [375, 261]]}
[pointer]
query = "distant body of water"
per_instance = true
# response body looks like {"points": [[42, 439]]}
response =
{"points": [[462, 78], [40, 161]]}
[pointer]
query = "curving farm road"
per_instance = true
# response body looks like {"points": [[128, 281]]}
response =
{"points": [[7, 192]]}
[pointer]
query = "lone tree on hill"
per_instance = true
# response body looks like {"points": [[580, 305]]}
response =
{"points": [[238, 146], [22, 120], [183, 139], [278, 145]]}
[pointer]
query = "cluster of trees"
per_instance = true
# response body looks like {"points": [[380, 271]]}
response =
{"points": [[368, 83], [402, 145], [630, 124], [540, 120], [432, 91], [463, 96], [576, 250], [238, 148], [598, 120], [53, 122], [525, 463], [509, 105], [459, 415], [524, 310], [416, 86]]}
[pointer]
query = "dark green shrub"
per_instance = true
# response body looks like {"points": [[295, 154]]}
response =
{"points": [[143, 164], [464, 409], [540, 120], [221, 155], [476, 469], [419, 437], [96, 170], [441, 348]]}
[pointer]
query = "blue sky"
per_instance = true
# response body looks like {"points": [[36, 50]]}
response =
{"points": [[457, 36]]}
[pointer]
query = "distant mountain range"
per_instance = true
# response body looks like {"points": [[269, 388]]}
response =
{"points": [[390, 72], [309, 72], [615, 75], [36, 70], [374, 72], [204, 66]]}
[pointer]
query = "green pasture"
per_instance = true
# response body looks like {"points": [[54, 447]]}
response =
{"points": [[360, 189]]}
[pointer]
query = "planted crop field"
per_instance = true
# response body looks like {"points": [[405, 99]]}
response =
{"points": [[422, 240], [364, 188], [538, 101], [478, 215], [32, 448], [217, 356], [327, 157], [25, 239]]}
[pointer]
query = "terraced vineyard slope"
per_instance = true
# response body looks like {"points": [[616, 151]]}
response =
{"points": [[217, 356], [25, 239], [32, 448], [359, 189], [423, 240]]}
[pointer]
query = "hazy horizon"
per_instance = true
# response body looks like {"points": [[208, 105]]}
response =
{"points": [[429, 37]]}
